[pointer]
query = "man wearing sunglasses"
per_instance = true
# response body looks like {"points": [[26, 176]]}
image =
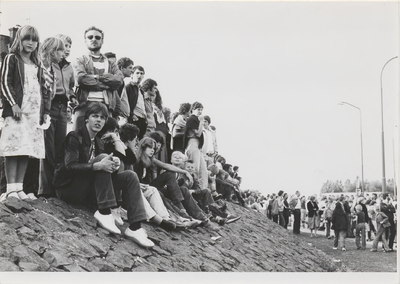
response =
{"points": [[97, 78]]}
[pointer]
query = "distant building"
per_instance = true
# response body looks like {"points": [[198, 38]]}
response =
{"points": [[6, 42]]}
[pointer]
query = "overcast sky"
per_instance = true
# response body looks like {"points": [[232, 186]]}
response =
{"points": [[270, 76]]}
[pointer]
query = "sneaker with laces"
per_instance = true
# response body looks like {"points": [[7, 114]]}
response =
{"points": [[107, 222], [232, 218], [143, 231], [117, 217], [221, 221], [138, 237]]}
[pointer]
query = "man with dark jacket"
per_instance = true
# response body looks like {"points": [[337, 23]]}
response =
{"points": [[136, 101], [87, 176], [388, 208]]}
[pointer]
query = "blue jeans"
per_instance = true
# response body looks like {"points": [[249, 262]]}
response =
{"points": [[339, 238], [380, 233], [98, 189], [281, 219], [53, 139], [360, 230]]}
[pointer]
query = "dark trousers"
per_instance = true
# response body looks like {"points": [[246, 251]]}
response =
{"points": [[172, 190], [328, 226], [141, 123], [191, 205], [350, 228], [98, 189], [286, 215], [296, 222], [3, 180], [275, 218], [31, 179], [53, 138], [281, 219], [203, 197], [225, 190], [391, 233]]}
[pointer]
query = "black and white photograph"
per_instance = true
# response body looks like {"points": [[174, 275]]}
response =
{"points": [[219, 141]]}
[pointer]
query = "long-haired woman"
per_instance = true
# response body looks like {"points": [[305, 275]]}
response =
{"points": [[166, 183], [25, 108]]}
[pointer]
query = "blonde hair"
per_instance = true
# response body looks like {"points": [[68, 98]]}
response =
{"points": [[359, 208], [49, 46], [180, 154], [64, 38], [23, 33]]}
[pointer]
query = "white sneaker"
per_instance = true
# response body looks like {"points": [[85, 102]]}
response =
{"points": [[343, 249], [334, 248], [123, 213], [31, 196], [139, 238], [117, 217], [107, 222], [143, 231]]}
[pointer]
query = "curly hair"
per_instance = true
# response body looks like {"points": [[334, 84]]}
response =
{"points": [[184, 108], [128, 132], [124, 62], [196, 105], [148, 84]]}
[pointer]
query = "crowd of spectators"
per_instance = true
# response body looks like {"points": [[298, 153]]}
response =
{"points": [[364, 217], [95, 132]]}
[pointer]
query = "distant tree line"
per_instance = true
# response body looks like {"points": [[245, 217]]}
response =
{"points": [[369, 186]]}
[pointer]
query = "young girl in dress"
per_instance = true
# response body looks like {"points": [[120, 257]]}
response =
{"points": [[26, 107]]}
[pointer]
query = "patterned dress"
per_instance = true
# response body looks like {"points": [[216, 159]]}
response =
{"points": [[23, 137]]}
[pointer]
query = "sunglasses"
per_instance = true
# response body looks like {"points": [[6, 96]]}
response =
{"points": [[96, 37]]}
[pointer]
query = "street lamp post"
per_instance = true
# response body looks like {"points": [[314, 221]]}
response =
{"points": [[362, 153], [383, 135], [394, 169]]}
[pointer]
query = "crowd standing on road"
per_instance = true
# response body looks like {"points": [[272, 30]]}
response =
{"points": [[364, 218]]}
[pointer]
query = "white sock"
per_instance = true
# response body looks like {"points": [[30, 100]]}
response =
{"points": [[11, 187], [19, 188]]}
